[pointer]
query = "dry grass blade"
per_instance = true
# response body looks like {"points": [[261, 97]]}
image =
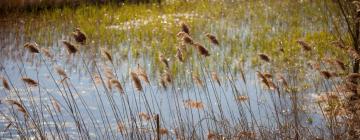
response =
{"points": [[304, 45], [142, 74], [72, 49], [215, 77], [185, 28], [30, 81], [164, 60], [212, 38], [136, 81], [56, 105], [19, 106], [117, 85], [264, 57], [5, 84], [32, 48], [107, 55], [202, 50], [79, 36]]}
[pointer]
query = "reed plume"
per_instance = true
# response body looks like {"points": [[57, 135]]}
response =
{"points": [[201, 49], [142, 74], [164, 60], [30, 81], [187, 39], [56, 105], [60, 71], [136, 81], [179, 55], [242, 98], [197, 80], [79, 36], [144, 116], [264, 57], [194, 104], [181, 34], [185, 28], [117, 85], [5, 83], [304, 45], [340, 65], [97, 79], [163, 83], [283, 81], [164, 131], [33, 48], [326, 74], [212, 39], [215, 77], [19, 106], [47, 53], [72, 49], [107, 55]]}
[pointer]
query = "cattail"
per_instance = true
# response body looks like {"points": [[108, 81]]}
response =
{"points": [[304, 45], [202, 50], [264, 57], [56, 105], [19, 106], [187, 39], [30, 81], [47, 53], [107, 55], [197, 80], [136, 81], [79, 36], [326, 74], [117, 85], [142, 74], [144, 116], [164, 131], [242, 98], [72, 49], [212, 38], [5, 84], [215, 77], [185, 28], [340, 65], [164, 60], [179, 55], [32, 48], [61, 71]]}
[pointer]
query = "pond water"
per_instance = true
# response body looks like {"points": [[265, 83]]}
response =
{"points": [[89, 109]]}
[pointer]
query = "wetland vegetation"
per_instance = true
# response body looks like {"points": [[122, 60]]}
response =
{"points": [[204, 69]]}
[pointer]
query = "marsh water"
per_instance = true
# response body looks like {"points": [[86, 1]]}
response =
{"points": [[135, 35]]}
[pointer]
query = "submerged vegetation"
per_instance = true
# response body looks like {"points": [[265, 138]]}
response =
{"points": [[181, 70]]}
